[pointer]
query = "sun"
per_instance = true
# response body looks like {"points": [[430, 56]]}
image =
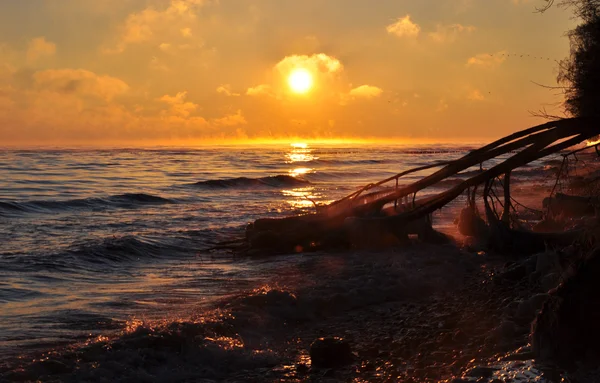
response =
{"points": [[300, 80]]}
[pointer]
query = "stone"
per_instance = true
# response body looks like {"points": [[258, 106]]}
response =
{"points": [[550, 281], [330, 352], [566, 329], [481, 372], [302, 369], [51, 367], [511, 309], [506, 330], [537, 301], [547, 262], [515, 272], [525, 312]]}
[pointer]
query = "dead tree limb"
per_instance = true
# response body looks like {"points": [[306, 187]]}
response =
{"points": [[327, 226]]}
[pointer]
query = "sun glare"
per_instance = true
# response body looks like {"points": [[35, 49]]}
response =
{"points": [[300, 80]]}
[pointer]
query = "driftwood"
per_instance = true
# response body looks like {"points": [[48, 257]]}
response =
{"points": [[367, 218]]}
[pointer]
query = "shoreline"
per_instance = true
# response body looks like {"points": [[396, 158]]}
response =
{"points": [[422, 312]]}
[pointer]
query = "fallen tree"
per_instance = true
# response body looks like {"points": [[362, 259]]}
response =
{"points": [[381, 215]]}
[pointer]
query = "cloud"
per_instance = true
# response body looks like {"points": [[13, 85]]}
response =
{"points": [[475, 95], [442, 106], [8, 60], [186, 32], [487, 60], [179, 107], [39, 48], [172, 21], [231, 120], [449, 33], [226, 90], [259, 90], [158, 65], [319, 63], [366, 91], [404, 27], [80, 81]]}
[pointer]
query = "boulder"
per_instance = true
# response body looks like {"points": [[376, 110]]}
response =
{"points": [[537, 301], [330, 352], [529, 308], [505, 331], [550, 281], [525, 313], [548, 261], [566, 330]]}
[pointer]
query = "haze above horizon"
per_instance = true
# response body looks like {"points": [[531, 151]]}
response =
{"points": [[192, 72]]}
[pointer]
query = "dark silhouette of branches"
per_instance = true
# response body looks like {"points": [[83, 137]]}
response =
{"points": [[583, 9], [579, 73]]}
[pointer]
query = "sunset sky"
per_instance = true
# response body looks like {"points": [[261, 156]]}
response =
{"points": [[199, 71]]}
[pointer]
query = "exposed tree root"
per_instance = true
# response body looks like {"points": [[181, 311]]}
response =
{"points": [[368, 220]]}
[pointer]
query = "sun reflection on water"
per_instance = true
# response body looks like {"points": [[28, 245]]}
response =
{"points": [[300, 171], [300, 152], [302, 197]]}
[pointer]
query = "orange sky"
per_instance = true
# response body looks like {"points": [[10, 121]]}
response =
{"points": [[199, 71]]}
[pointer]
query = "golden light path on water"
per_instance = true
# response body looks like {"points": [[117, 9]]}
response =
{"points": [[300, 153]]}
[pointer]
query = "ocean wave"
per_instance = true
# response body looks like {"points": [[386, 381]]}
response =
{"points": [[244, 336], [245, 182], [120, 249], [347, 162], [124, 201], [98, 255]]}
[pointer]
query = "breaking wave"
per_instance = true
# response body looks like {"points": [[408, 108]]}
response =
{"points": [[122, 201], [245, 182]]}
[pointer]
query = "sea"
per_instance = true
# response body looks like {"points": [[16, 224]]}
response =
{"points": [[92, 240]]}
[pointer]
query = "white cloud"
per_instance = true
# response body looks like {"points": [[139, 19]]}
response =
{"points": [[404, 27], [80, 81], [366, 91], [449, 33], [158, 65], [39, 48], [259, 90], [171, 21], [487, 60], [442, 106], [186, 32], [475, 95], [317, 63], [226, 90], [179, 105], [231, 120]]}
